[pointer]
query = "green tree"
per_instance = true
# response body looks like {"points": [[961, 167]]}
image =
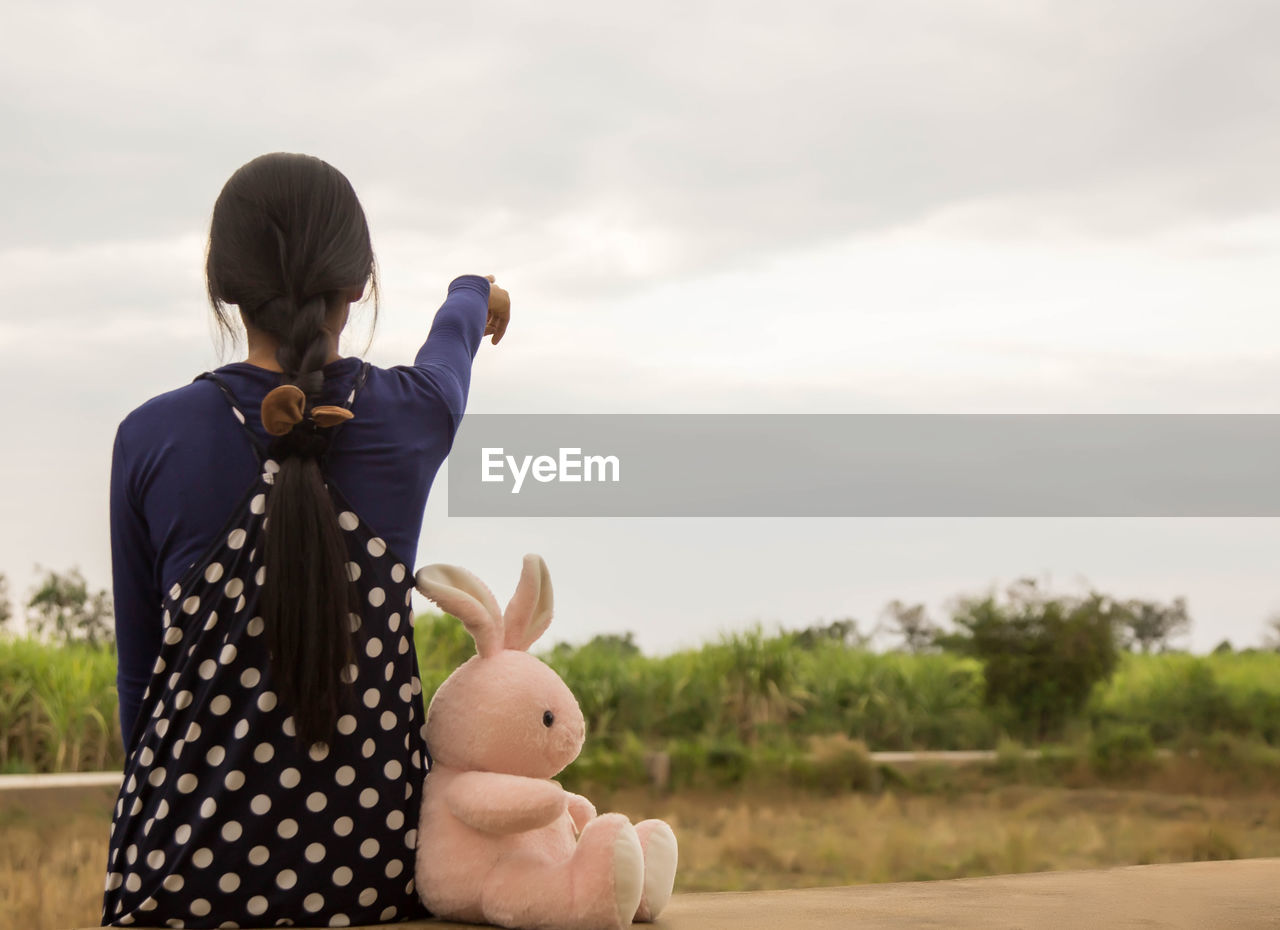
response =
{"points": [[845, 632], [62, 607], [1041, 656], [6, 608], [1271, 639], [1148, 624], [912, 624]]}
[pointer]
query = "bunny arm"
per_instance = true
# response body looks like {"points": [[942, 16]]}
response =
{"points": [[496, 803], [581, 810]]}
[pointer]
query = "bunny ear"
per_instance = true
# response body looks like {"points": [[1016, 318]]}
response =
{"points": [[455, 590], [529, 612]]}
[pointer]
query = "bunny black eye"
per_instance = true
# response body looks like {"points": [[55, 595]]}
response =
{"points": [[548, 718]]}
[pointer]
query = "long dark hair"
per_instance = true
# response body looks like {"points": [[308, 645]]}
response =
{"points": [[288, 242]]}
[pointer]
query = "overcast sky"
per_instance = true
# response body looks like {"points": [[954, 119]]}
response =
{"points": [[697, 207]]}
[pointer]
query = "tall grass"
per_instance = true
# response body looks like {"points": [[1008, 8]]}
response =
{"points": [[741, 698]]}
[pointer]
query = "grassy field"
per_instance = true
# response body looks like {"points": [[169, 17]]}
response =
{"points": [[967, 823]]}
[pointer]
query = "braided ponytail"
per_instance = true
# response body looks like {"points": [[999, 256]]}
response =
{"points": [[288, 238]]}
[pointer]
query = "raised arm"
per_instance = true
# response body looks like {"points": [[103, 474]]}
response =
{"points": [[443, 364], [137, 601], [496, 803]]}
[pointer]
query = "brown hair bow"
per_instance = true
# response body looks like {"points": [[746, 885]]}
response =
{"points": [[285, 406]]}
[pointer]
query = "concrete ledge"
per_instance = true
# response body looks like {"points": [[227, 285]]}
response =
{"points": [[1238, 895]]}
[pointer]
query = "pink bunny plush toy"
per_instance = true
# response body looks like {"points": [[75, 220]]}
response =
{"points": [[499, 842]]}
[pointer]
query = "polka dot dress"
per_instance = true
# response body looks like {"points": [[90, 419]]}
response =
{"points": [[223, 820]]}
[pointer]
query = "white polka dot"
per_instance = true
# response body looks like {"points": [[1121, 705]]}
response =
{"points": [[388, 720], [387, 914], [342, 876], [155, 858], [173, 883], [286, 879], [408, 790], [202, 858], [369, 848], [200, 907], [287, 828], [290, 777], [368, 896], [347, 520], [313, 902], [207, 668], [260, 804], [346, 724], [258, 504], [314, 852], [345, 775], [339, 920], [187, 783], [408, 597], [233, 588], [368, 748], [148, 905], [213, 572], [343, 826], [260, 576], [193, 732], [397, 573], [404, 645], [229, 882], [350, 674], [267, 701], [162, 727], [114, 881], [257, 905], [393, 622], [390, 671], [318, 752], [395, 820], [156, 778], [406, 692], [241, 730], [411, 838], [250, 677], [212, 621], [392, 769], [259, 855], [368, 797], [208, 807], [353, 571], [160, 665], [316, 801], [240, 604], [132, 882], [162, 810], [228, 654], [173, 679], [220, 705], [235, 539], [289, 728], [182, 700], [255, 626], [377, 596], [172, 636], [234, 780], [175, 592], [377, 547], [373, 648], [191, 604], [182, 834], [231, 831], [394, 868], [371, 697], [146, 757]]}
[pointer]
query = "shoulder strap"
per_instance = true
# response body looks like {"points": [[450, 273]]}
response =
{"points": [[235, 409], [361, 375]]}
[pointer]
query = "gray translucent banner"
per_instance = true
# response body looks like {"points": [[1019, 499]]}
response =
{"points": [[838, 465]]}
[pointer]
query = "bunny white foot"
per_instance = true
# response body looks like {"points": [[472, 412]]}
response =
{"points": [[658, 842]]}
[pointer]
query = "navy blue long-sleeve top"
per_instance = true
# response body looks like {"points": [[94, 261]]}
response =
{"points": [[181, 463]]}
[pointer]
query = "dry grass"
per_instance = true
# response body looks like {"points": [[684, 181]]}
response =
{"points": [[53, 843]]}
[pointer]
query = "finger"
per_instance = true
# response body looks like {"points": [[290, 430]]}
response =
{"points": [[490, 277], [502, 328]]}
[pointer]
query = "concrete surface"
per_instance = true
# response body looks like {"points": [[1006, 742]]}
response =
{"points": [[1238, 895]]}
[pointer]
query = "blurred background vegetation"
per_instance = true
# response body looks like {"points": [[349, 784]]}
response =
{"points": [[1087, 677]]}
